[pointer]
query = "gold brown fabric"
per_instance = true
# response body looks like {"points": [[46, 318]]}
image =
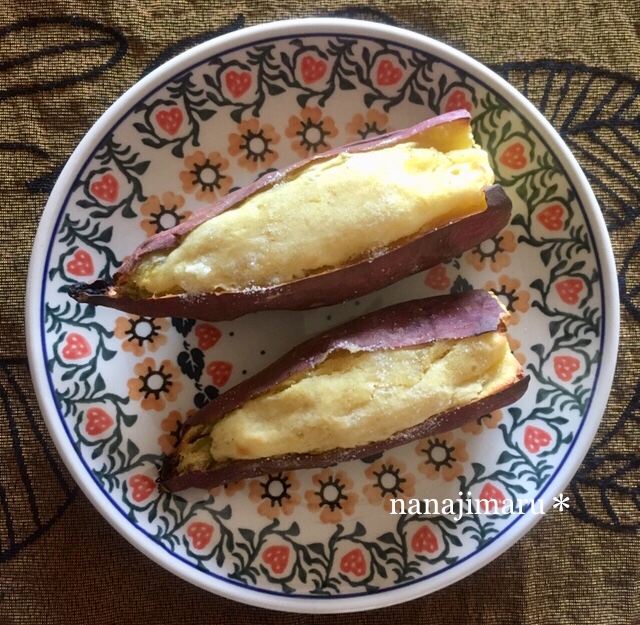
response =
{"points": [[63, 63]]}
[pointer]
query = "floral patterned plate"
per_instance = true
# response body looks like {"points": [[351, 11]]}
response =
{"points": [[114, 388]]}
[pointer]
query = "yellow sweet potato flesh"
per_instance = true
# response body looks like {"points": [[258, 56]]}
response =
{"points": [[355, 398], [329, 214]]}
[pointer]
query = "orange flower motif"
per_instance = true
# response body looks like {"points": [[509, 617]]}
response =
{"points": [[171, 426], [443, 457], [332, 496], [204, 176], [162, 213], [253, 144], [310, 132], [154, 385], [140, 333], [276, 494], [496, 251], [390, 481], [372, 124], [490, 421], [515, 298]]}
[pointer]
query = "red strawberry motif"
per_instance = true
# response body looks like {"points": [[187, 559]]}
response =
{"points": [[457, 101], [200, 534], [98, 421], [354, 562], [569, 290], [237, 82], [437, 278], [220, 371], [535, 438], [552, 217], [491, 498], [208, 335], [565, 367], [312, 69], [388, 73], [276, 558], [76, 347], [80, 264], [106, 188], [514, 157], [170, 120], [424, 540], [142, 486]]}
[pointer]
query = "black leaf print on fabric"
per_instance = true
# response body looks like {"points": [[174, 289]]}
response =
{"points": [[45, 490], [611, 478], [84, 34], [189, 42]]}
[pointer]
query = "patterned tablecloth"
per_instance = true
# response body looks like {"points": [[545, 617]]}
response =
{"points": [[62, 64]]}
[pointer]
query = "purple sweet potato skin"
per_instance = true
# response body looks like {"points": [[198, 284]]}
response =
{"points": [[412, 323], [331, 287], [170, 238]]}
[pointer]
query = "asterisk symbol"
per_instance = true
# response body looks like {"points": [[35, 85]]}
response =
{"points": [[561, 502]]}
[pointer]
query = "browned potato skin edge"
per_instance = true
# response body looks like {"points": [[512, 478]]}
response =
{"points": [[332, 287]]}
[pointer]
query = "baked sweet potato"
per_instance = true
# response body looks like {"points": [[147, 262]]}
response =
{"points": [[398, 374], [322, 231]]}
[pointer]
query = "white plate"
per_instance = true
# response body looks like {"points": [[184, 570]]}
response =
{"points": [[112, 387]]}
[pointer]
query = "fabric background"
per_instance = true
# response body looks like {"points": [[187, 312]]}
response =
{"points": [[63, 62]]}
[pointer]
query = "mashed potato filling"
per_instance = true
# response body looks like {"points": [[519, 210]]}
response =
{"points": [[354, 398], [330, 213]]}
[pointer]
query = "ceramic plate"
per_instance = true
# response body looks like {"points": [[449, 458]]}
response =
{"points": [[114, 388]]}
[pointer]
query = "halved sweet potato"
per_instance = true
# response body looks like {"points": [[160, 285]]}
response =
{"points": [[395, 375], [331, 228]]}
